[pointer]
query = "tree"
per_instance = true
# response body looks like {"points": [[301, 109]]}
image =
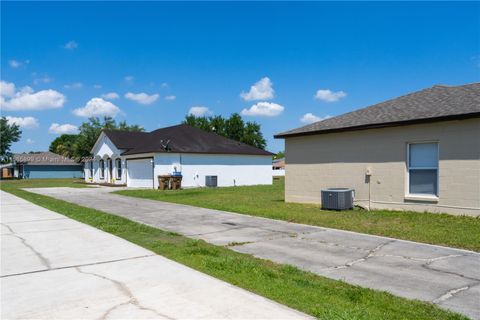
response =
{"points": [[253, 136], [66, 145], [279, 155], [233, 128], [9, 133]]}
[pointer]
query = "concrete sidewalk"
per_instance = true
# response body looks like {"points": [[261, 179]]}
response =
{"points": [[445, 276], [54, 267]]}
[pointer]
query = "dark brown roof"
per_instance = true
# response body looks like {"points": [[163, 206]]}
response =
{"points": [[433, 104], [125, 139], [43, 158], [180, 138]]}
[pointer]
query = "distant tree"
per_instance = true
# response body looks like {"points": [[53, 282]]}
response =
{"points": [[218, 125], [252, 135], [65, 145], [233, 128], [9, 133], [279, 155]]}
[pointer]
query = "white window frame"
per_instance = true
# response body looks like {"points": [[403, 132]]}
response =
{"points": [[422, 196], [101, 169], [118, 168]]}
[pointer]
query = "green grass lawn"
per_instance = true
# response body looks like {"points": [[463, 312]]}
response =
{"points": [[268, 201], [43, 183], [318, 296]]}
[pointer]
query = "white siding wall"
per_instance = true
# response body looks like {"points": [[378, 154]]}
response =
{"points": [[230, 169]]}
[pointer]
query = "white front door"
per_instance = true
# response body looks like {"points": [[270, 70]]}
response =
{"points": [[140, 173]]}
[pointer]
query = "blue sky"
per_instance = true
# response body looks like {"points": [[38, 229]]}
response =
{"points": [[58, 60]]}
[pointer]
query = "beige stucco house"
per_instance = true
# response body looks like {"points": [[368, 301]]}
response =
{"points": [[418, 152]]}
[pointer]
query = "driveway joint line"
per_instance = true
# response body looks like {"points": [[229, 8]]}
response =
{"points": [[78, 266]]}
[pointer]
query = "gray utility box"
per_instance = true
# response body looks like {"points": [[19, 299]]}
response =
{"points": [[211, 181], [337, 199]]}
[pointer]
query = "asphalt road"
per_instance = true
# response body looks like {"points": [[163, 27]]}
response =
{"points": [[57, 268]]}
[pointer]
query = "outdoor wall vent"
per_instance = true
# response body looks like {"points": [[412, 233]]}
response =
{"points": [[211, 181], [337, 199]]}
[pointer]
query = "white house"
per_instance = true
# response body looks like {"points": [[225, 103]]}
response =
{"points": [[136, 159]]}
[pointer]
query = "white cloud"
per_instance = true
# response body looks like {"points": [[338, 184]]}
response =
{"points": [[75, 85], [30, 141], [44, 79], [56, 128], [110, 96], [15, 63], [262, 90], [142, 97], [311, 118], [70, 45], [170, 98], [164, 85], [199, 111], [128, 79], [24, 123], [27, 99], [7, 89], [263, 109], [97, 107], [329, 96], [97, 86]]}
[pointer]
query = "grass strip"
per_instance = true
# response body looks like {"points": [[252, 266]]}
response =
{"points": [[307, 292]]}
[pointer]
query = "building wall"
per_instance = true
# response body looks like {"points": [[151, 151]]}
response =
{"points": [[52, 171], [230, 169], [331, 160]]}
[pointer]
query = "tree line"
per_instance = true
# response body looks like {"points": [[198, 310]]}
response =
{"points": [[233, 128]]}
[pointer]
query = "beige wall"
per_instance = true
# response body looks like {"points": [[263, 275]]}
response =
{"points": [[340, 159]]}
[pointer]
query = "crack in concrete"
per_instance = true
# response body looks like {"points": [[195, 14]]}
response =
{"points": [[124, 290], [370, 254], [428, 266], [333, 244], [450, 294], [42, 259]]}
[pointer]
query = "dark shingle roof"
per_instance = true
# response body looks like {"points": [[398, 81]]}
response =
{"points": [[180, 138], [125, 139], [43, 158], [433, 104]]}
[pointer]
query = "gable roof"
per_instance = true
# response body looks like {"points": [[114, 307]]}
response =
{"points": [[437, 103], [43, 158], [181, 139]]}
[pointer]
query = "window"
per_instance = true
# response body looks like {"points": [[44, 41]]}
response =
{"points": [[91, 169], [118, 164], [102, 169], [423, 169]]}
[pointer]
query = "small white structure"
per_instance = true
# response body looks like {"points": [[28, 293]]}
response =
{"points": [[136, 159]]}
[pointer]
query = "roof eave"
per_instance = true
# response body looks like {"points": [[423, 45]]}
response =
{"points": [[381, 125], [266, 153]]}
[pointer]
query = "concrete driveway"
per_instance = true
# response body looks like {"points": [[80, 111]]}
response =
{"points": [[445, 276], [57, 268]]}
